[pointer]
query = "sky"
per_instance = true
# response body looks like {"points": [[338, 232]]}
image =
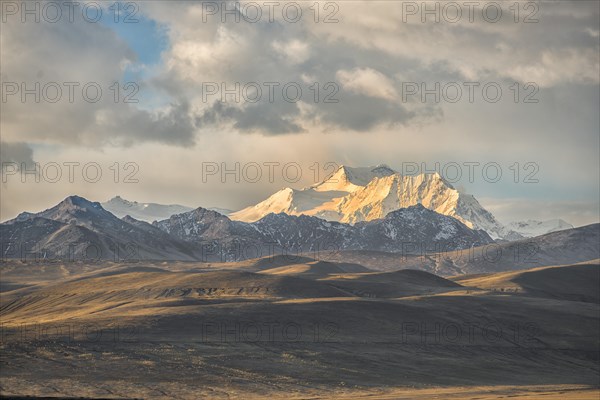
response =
{"points": [[190, 91]]}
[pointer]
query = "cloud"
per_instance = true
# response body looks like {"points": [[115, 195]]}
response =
{"points": [[562, 66], [479, 49], [294, 51], [66, 61], [370, 43], [367, 81], [263, 117], [16, 152], [361, 53]]}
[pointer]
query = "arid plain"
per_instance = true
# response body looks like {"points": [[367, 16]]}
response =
{"points": [[299, 329]]}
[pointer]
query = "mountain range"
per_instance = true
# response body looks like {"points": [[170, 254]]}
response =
{"points": [[367, 209], [83, 230], [148, 212], [78, 229], [567, 246], [352, 195]]}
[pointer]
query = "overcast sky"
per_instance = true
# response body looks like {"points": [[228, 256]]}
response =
{"points": [[361, 68]]}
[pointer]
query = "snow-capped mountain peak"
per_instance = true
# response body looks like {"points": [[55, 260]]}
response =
{"points": [[349, 179], [142, 211], [532, 228], [353, 195]]}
